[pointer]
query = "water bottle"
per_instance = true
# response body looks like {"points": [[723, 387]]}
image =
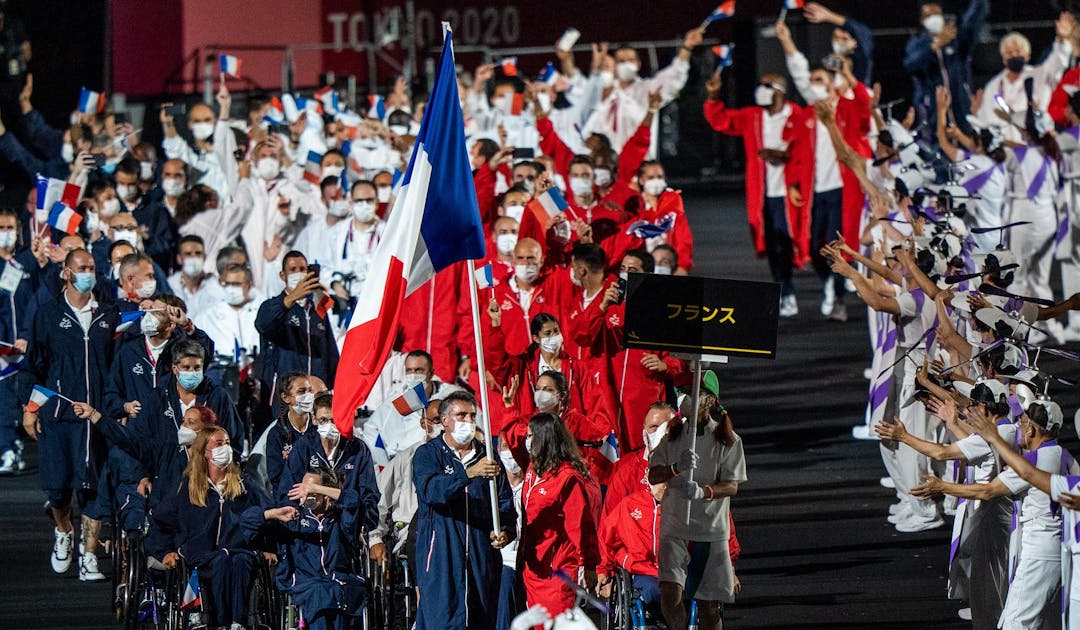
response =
{"points": [[692, 623]]}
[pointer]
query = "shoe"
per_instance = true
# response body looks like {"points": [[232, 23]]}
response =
{"points": [[862, 432], [7, 463], [887, 482], [964, 613], [868, 374], [236, 626], [828, 298], [1072, 333], [61, 553], [901, 514], [849, 286], [789, 307], [88, 569], [839, 312], [896, 508], [912, 525]]}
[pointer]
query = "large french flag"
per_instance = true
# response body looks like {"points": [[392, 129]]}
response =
{"points": [[435, 222]]}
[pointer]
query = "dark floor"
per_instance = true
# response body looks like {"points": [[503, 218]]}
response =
{"points": [[817, 552]]}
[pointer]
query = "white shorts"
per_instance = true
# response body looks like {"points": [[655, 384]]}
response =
{"points": [[703, 569]]}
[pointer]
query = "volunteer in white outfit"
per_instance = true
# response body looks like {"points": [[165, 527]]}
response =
{"points": [[1068, 245], [230, 323], [353, 242], [212, 154], [190, 282], [1035, 548], [313, 239]]}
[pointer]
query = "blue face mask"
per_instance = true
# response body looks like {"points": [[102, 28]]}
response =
{"points": [[84, 281], [108, 168], [190, 380]]}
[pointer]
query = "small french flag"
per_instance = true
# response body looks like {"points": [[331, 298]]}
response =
{"points": [[549, 74], [91, 102], [328, 96], [548, 204], [509, 66], [485, 278], [128, 319], [414, 399], [51, 190], [724, 11], [379, 455], [64, 218], [38, 398], [276, 112], [376, 107], [325, 305], [794, 4], [191, 591], [724, 56], [230, 65], [313, 168], [291, 107], [610, 448], [11, 364]]}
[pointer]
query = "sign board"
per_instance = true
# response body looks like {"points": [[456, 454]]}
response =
{"points": [[689, 314]]}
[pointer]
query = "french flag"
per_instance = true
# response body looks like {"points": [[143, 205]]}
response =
{"points": [[328, 96], [128, 319], [376, 107], [722, 12], [724, 54], [276, 112], [38, 397], [291, 107], [548, 204], [91, 102], [413, 399], [230, 65], [610, 448], [485, 278], [794, 4], [509, 66], [64, 218], [51, 190], [435, 222], [549, 74], [191, 591], [313, 168]]}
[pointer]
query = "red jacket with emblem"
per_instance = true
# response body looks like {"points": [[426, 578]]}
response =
{"points": [[629, 536]]}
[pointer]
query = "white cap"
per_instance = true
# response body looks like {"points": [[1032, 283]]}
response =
{"points": [[997, 389]]}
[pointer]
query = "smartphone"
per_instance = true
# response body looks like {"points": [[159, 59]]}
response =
{"points": [[314, 268], [622, 290], [568, 39], [279, 128], [120, 118], [99, 160], [524, 154], [176, 110]]}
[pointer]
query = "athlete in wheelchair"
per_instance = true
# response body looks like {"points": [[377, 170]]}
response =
{"points": [[627, 575]]}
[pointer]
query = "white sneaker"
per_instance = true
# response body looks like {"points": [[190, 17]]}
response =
{"points": [[862, 432], [839, 312], [789, 307], [236, 626], [895, 508], [964, 613], [8, 463], [88, 569], [902, 514], [913, 525], [828, 298], [61, 553], [887, 482]]}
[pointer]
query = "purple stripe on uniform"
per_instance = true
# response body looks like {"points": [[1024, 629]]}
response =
{"points": [[1039, 180], [974, 184], [1063, 228], [1015, 407], [920, 299], [1021, 153], [890, 340]]}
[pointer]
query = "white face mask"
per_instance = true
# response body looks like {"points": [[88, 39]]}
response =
{"points": [[127, 192], [8, 239], [221, 456], [602, 176], [339, 208], [185, 436], [551, 345], [146, 171], [304, 403], [514, 211], [654, 186], [126, 235], [399, 130], [294, 279], [653, 439], [763, 95], [234, 295], [328, 432], [149, 325], [934, 24], [110, 207], [505, 243], [841, 49], [383, 193], [545, 400], [606, 77], [173, 186], [268, 168], [581, 186], [436, 431], [819, 92], [67, 153], [414, 379], [146, 288], [202, 130], [662, 270], [193, 266], [839, 83], [509, 463], [528, 445], [464, 432], [364, 211], [332, 171], [527, 273], [626, 70], [562, 231], [573, 277]]}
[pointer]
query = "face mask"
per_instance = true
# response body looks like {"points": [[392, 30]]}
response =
{"points": [[193, 266], [602, 176], [221, 456], [127, 192], [364, 211], [653, 439], [463, 432], [543, 99], [662, 270], [607, 77], [412, 380], [1015, 64], [436, 431], [820, 92], [383, 193], [110, 207], [528, 185], [505, 243], [763, 95], [562, 231], [573, 277], [654, 186], [514, 211], [526, 273], [934, 24], [67, 153], [624, 275], [332, 171], [626, 70], [115, 271], [339, 208], [509, 463], [234, 295], [294, 279], [581, 186], [304, 403], [328, 432], [108, 167], [146, 288], [545, 400], [528, 445], [7, 239], [185, 436], [125, 235], [190, 380], [173, 186], [146, 171], [841, 49], [202, 130], [268, 168], [551, 345], [399, 130], [93, 223], [149, 325], [84, 281]]}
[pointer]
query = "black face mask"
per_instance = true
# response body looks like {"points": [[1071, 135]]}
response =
{"points": [[1015, 64]]}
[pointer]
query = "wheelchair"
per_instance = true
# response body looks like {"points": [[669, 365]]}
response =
{"points": [[265, 604], [391, 593], [626, 610]]}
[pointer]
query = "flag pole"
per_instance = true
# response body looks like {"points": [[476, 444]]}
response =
{"points": [[482, 371], [695, 392]]}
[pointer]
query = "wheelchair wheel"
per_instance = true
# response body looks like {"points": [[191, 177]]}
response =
{"points": [[118, 575], [263, 608], [134, 587], [404, 595], [619, 603]]}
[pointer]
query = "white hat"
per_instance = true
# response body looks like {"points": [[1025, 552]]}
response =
{"points": [[1053, 419], [996, 387], [1000, 322]]}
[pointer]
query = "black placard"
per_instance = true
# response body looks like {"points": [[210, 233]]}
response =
{"points": [[694, 315]]}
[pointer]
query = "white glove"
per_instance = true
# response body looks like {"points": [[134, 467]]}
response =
{"points": [[686, 461], [694, 491], [534, 616]]}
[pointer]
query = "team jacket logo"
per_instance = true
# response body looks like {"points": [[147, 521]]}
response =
{"points": [[349, 466], [285, 449], [169, 413], [103, 324], [65, 323], [294, 320], [614, 319], [507, 305], [636, 514], [543, 491], [314, 461], [138, 369], [540, 300], [448, 470]]}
